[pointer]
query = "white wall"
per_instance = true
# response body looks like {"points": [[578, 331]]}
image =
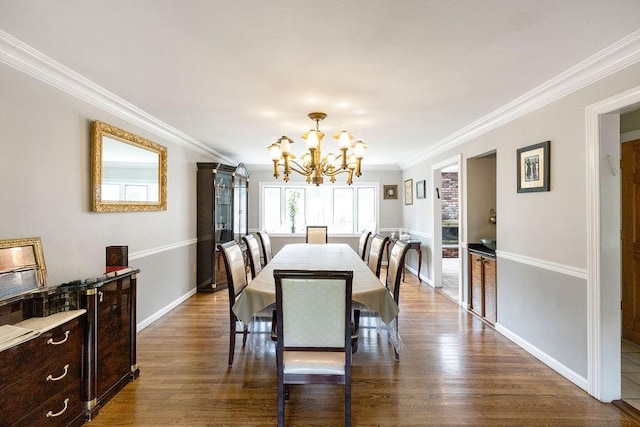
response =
{"points": [[45, 175], [542, 237]]}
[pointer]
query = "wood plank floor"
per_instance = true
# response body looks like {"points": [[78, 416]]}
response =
{"points": [[455, 370]]}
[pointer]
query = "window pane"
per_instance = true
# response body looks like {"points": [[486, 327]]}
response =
{"points": [[366, 209], [343, 210], [135, 193], [110, 192], [319, 206], [295, 210], [271, 210]]}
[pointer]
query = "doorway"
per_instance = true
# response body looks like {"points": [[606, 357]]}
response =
{"points": [[447, 227], [630, 290], [604, 320], [450, 215]]}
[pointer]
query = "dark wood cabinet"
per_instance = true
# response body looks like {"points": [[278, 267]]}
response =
{"points": [[222, 206], [483, 286]]}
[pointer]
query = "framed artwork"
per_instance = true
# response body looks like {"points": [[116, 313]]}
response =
{"points": [[408, 192], [420, 189], [534, 168], [390, 192]]}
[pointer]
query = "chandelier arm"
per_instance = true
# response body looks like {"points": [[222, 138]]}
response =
{"points": [[296, 167], [334, 173]]}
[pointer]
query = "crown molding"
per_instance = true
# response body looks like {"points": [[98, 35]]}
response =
{"points": [[23, 57], [604, 63]]}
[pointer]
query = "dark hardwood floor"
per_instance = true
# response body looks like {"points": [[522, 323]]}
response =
{"points": [[455, 370]]}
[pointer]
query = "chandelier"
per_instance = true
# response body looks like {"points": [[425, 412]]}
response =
{"points": [[313, 165]]}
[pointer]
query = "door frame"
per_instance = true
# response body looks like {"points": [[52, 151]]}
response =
{"points": [[604, 328], [436, 265]]}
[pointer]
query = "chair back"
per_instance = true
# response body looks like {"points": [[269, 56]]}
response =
{"points": [[362, 244], [265, 242], [314, 310], [376, 252], [253, 250], [235, 267], [317, 234], [394, 270]]}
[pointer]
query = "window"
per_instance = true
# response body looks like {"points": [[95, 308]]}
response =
{"points": [[289, 208]]}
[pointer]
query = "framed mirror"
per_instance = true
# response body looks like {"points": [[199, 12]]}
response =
{"points": [[129, 173], [22, 267]]}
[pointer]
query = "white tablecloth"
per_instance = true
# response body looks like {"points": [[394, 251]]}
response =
{"points": [[368, 290]]}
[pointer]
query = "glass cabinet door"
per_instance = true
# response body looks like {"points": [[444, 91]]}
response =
{"points": [[223, 208]]}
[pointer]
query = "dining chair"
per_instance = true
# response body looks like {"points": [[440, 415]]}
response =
{"points": [[253, 252], [394, 275], [376, 252], [314, 339], [362, 244], [265, 242], [256, 267], [236, 282], [317, 234]]}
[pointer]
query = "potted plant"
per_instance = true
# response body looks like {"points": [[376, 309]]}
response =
{"points": [[293, 209]]}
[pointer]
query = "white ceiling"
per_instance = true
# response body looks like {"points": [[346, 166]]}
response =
{"points": [[403, 75]]}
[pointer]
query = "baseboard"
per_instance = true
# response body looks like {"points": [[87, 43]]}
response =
{"points": [[569, 374], [155, 316]]}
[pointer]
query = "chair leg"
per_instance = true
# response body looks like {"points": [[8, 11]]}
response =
{"points": [[394, 349], [232, 339], [347, 402], [245, 332], [281, 398]]}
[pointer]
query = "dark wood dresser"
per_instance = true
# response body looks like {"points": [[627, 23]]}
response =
{"points": [[78, 349]]}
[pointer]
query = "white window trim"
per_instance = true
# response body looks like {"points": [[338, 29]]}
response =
{"points": [[281, 184]]}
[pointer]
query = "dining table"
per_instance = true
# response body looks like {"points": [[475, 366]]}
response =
{"points": [[368, 291]]}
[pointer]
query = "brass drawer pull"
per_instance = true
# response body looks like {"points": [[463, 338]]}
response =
{"points": [[101, 295], [52, 378], [52, 342], [57, 414]]}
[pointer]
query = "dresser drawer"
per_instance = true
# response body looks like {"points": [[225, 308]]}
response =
{"points": [[58, 410], [61, 376], [20, 360]]}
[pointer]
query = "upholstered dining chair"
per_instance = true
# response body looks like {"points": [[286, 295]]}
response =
{"points": [[362, 244], [317, 234], [265, 242], [310, 351], [394, 274], [376, 252], [253, 252], [236, 282], [256, 267]]}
